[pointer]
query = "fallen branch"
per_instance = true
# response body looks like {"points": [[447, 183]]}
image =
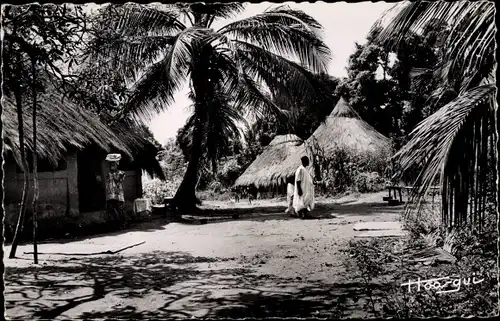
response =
{"points": [[96, 253]]}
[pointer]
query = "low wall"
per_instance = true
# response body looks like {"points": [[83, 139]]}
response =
{"points": [[59, 188], [58, 208], [52, 185]]}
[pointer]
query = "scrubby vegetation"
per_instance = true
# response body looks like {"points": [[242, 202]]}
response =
{"points": [[475, 250], [388, 262]]}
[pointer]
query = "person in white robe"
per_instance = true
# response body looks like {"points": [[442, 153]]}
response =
{"points": [[303, 198]]}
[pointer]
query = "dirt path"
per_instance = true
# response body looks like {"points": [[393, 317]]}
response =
{"points": [[261, 266]]}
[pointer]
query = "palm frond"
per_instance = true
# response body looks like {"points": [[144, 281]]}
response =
{"points": [[412, 17], [204, 14], [472, 33], [284, 32], [287, 14], [217, 10], [154, 91], [277, 72], [455, 142], [247, 81], [252, 98], [435, 147], [221, 127], [420, 77], [418, 72], [127, 55], [132, 19]]}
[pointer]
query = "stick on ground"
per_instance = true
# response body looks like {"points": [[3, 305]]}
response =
{"points": [[96, 253]]}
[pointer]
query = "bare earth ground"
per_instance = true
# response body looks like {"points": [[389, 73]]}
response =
{"points": [[261, 265]]}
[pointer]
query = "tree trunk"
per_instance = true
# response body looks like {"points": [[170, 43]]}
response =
{"points": [[25, 168], [203, 89], [2, 214], [35, 167], [185, 197]]}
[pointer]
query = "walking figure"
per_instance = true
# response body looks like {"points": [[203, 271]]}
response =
{"points": [[303, 198], [236, 192]]}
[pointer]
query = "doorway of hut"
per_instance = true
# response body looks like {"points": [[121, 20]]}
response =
{"points": [[91, 188]]}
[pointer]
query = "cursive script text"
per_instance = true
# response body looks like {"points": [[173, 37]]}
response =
{"points": [[442, 285]]}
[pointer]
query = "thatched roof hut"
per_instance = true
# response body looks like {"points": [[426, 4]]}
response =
{"points": [[62, 125], [278, 161], [345, 130]]}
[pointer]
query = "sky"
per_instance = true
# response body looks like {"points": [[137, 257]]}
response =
{"points": [[344, 24]]}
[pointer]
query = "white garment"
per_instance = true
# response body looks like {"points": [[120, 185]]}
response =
{"points": [[289, 197], [306, 201]]}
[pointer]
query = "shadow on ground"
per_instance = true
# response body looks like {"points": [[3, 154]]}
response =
{"points": [[257, 213], [321, 211], [167, 285], [78, 233]]}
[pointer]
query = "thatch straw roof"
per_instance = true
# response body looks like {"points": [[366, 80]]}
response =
{"points": [[279, 160], [62, 125], [344, 129], [143, 150]]}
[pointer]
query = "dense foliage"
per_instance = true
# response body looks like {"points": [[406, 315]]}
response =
{"points": [[344, 172], [380, 87]]}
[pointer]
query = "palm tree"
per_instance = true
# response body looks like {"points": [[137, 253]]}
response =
{"points": [[458, 143], [231, 71]]}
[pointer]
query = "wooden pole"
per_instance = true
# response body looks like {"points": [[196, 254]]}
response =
{"points": [[35, 167], [25, 167]]}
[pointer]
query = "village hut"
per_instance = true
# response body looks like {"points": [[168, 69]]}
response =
{"points": [[271, 169], [344, 130], [71, 147]]}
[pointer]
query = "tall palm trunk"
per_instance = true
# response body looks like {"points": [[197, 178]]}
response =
{"points": [[35, 167], [185, 197], [25, 166]]}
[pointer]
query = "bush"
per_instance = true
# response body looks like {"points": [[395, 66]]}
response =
{"points": [[381, 260], [369, 182], [216, 187], [210, 195], [344, 172], [427, 220], [229, 171], [475, 249], [156, 190]]}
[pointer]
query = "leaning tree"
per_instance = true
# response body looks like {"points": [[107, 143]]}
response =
{"points": [[231, 71]]}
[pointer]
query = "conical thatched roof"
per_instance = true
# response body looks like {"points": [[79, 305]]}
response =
{"points": [[344, 129], [279, 160], [61, 125]]}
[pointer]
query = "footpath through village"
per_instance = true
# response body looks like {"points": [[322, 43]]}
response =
{"points": [[262, 264]]}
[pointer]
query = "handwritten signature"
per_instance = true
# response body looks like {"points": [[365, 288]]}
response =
{"points": [[450, 284]]}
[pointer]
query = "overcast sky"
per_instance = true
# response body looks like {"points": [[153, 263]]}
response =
{"points": [[344, 24]]}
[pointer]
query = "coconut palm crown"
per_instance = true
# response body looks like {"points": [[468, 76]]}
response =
{"points": [[231, 71]]}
